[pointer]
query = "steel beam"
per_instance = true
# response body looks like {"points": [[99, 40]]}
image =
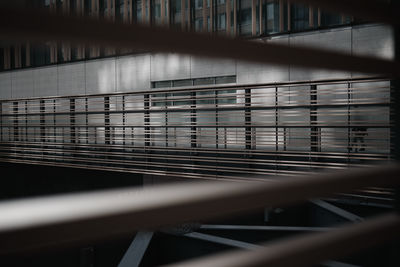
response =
{"points": [[338, 211], [134, 255], [221, 240], [263, 228]]}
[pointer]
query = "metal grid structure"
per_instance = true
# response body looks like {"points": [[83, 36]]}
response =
{"points": [[218, 132]]}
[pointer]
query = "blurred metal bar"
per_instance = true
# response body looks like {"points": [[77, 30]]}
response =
{"points": [[47, 222], [20, 24], [309, 249]]}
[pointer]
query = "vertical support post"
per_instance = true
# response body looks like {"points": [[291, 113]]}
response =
{"points": [[107, 129], [26, 120], [123, 120], [54, 122], [276, 123], [147, 120], [87, 120], [247, 115], [313, 119], [349, 147], [193, 120], [72, 119], [42, 121], [216, 120], [16, 128]]}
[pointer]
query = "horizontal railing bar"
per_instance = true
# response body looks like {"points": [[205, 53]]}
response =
{"points": [[219, 107], [196, 150], [309, 249], [47, 222], [21, 24]]}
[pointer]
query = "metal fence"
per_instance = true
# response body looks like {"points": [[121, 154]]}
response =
{"points": [[206, 132]]}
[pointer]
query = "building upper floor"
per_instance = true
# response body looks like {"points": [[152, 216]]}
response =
{"points": [[236, 18]]}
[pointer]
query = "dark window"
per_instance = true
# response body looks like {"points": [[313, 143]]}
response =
{"points": [[271, 16], [119, 9], [299, 17], [40, 55], [244, 17], [12, 57], [23, 56], [156, 12], [87, 7], [1, 58], [329, 19], [176, 13]]}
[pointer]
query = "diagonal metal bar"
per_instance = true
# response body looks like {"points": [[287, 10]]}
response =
{"points": [[221, 240], [249, 246], [48, 222], [263, 228], [309, 249], [20, 24], [134, 255], [338, 211]]}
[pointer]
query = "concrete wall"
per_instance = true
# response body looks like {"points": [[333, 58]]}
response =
{"points": [[136, 72]]}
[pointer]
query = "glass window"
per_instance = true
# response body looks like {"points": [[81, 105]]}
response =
{"points": [[161, 84], [1, 58], [328, 19], [299, 17], [137, 6], [203, 81], [176, 13], [244, 17], [88, 7], [119, 9], [182, 83], [156, 11], [40, 55], [225, 79], [271, 17]]}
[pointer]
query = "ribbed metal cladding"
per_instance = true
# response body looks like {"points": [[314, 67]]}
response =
{"points": [[211, 132]]}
